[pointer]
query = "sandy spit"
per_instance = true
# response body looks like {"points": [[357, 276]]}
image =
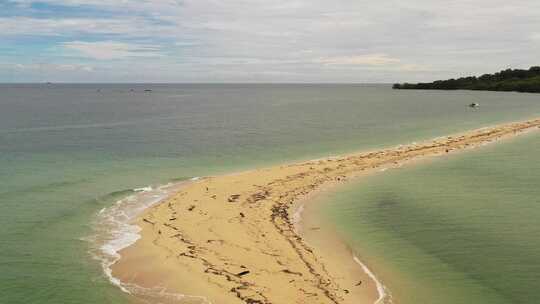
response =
{"points": [[232, 239]]}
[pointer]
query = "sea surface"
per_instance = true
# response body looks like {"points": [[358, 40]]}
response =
{"points": [[77, 161], [458, 229]]}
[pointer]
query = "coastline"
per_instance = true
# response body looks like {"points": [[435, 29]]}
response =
{"points": [[232, 238], [319, 234], [114, 229]]}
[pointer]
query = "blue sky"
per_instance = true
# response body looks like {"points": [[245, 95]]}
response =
{"points": [[263, 41]]}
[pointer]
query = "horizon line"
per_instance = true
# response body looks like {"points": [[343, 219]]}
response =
{"points": [[232, 83]]}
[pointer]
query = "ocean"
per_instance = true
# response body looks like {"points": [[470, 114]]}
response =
{"points": [[457, 229], [71, 154]]}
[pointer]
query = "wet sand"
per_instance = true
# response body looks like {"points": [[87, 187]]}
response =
{"points": [[233, 239]]}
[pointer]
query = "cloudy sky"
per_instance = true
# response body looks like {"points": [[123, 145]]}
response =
{"points": [[264, 40]]}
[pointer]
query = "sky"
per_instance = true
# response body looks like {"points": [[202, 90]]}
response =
{"points": [[355, 41]]}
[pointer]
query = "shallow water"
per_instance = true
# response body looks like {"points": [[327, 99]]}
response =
{"points": [[69, 151], [458, 229]]}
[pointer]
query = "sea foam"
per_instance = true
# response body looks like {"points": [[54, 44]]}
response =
{"points": [[114, 231], [384, 296]]}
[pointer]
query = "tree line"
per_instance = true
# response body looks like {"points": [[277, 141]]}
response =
{"points": [[507, 80]]}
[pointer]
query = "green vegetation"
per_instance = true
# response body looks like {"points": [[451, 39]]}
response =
{"points": [[507, 80]]}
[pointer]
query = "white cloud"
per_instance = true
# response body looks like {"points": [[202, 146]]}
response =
{"points": [[51, 67], [130, 27], [369, 59], [305, 40], [105, 50], [126, 4]]}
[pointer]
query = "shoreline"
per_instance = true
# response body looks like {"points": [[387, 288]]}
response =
{"points": [[233, 239], [113, 228], [320, 235]]}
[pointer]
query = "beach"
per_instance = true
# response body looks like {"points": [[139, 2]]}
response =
{"points": [[234, 238], [269, 152]]}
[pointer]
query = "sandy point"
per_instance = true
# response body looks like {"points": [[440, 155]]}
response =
{"points": [[233, 238]]}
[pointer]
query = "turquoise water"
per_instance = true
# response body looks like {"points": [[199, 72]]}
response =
{"points": [[68, 152], [461, 229]]}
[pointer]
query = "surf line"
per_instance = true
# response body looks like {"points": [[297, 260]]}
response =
{"points": [[381, 289]]}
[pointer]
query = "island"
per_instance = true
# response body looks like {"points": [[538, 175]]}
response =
{"points": [[509, 80]]}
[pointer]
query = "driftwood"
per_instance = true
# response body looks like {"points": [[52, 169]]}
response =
{"points": [[233, 198], [149, 221], [243, 273]]}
